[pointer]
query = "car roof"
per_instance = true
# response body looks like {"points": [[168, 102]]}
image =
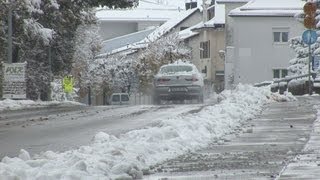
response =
{"points": [[194, 68]]}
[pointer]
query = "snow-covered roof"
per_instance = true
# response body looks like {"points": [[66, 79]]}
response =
{"points": [[169, 25], [231, 1], [218, 19], [136, 15], [165, 4], [188, 33], [118, 42], [124, 50], [148, 10], [269, 8], [129, 48]]}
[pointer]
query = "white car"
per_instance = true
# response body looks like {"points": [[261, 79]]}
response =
{"points": [[119, 99], [178, 81]]}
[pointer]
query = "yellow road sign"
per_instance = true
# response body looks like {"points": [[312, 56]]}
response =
{"points": [[68, 82]]}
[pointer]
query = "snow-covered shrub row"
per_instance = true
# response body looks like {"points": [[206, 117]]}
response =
{"points": [[286, 96], [298, 86], [127, 156], [9, 104]]}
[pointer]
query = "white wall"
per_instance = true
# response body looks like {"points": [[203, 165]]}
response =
{"points": [[229, 25], [193, 43], [229, 21], [255, 53]]}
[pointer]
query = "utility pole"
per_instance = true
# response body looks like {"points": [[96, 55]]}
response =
{"points": [[9, 32]]}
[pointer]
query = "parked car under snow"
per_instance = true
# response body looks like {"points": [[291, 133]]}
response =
{"points": [[178, 81]]}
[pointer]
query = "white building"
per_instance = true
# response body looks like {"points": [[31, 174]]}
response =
{"points": [[151, 13], [257, 44]]}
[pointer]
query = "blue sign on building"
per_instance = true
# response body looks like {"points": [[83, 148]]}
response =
{"points": [[316, 62]]}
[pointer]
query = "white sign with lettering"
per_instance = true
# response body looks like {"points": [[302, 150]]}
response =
{"points": [[14, 85]]}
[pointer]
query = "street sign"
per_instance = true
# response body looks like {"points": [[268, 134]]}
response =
{"points": [[316, 62], [14, 84], [68, 82], [309, 37]]}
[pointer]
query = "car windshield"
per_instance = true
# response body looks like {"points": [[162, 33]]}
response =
{"points": [[175, 69], [124, 97], [115, 98]]}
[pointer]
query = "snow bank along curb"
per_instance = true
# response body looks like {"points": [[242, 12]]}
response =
{"points": [[128, 156], [9, 104]]}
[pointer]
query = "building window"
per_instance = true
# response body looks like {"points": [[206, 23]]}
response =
{"points": [[219, 73], [205, 49], [280, 73], [211, 13], [280, 35], [191, 5], [204, 71]]}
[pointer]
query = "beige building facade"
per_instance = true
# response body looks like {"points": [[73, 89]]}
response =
{"points": [[207, 40]]}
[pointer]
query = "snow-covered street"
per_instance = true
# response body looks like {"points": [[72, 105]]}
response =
{"points": [[124, 153], [159, 89], [63, 127]]}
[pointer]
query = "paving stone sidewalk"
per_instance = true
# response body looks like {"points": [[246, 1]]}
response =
{"points": [[306, 165], [274, 145]]}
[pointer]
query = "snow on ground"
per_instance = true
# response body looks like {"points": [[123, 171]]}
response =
{"points": [[306, 164], [132, 153], [9, 104]]}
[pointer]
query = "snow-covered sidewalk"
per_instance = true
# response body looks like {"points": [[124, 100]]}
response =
{"points": [[131, 154], [307, 164]]}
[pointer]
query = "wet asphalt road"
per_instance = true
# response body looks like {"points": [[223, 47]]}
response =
{"points": [[260, 150], [61, 128]]}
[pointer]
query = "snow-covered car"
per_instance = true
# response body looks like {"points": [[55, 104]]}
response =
{"points": [[178, 81]]}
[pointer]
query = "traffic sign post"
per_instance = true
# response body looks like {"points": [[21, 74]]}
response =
{"points": [[309, 37]]}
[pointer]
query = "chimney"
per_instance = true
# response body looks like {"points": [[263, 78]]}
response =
{"points": [[190, 4]]}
